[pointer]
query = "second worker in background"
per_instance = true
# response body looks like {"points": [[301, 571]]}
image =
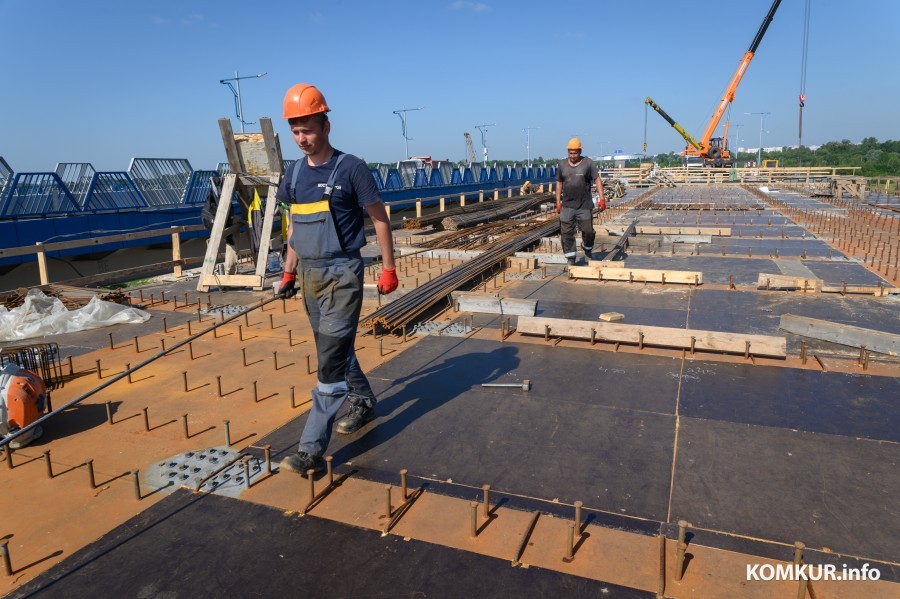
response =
{"points": [[574, 177]]}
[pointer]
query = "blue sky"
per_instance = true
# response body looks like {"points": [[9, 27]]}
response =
{"points": [[105, 81]]}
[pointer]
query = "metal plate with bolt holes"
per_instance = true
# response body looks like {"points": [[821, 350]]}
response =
{"points": [[226, 310], [429, 327], [189, 468], [457, 329]]}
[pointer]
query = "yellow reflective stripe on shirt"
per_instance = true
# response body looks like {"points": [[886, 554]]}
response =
{"points": [[311, 208]]}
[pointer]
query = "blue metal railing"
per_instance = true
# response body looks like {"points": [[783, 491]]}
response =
{"points": [[161, 183]]}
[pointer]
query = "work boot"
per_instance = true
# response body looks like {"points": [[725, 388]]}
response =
{"points": [[588, 253], [570, 261], [301, 461], [360, 414]]}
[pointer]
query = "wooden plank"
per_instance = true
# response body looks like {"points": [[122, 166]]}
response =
{"points": [[732, 343], [273, 147], [125, 273], [231, 149], [213, 280], [785, 282], [215, 235], [176, 252], [861, 289], [637, 275], [266, 241], [43, 273], [876, 341], [717, 231], [95, 241]]}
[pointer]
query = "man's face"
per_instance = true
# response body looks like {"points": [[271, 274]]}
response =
{"points": [[310, 135], [574, 155]]}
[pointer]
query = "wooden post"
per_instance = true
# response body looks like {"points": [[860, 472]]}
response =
{"points": [[42, 263], [176, 251], [496, 194], [387, 209], [441, 205], [509, 192], [481, 195], [418, 208], [462, 199]]}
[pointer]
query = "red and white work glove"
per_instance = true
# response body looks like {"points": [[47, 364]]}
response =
{"points": [[288, 285], [388, 282], [601, 203], [558, 206]]}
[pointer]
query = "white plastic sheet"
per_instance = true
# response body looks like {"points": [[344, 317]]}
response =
{"points": [[43, 315]]}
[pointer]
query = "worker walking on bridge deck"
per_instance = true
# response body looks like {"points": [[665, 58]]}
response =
{"points": [[327, 191], [574, 177]]}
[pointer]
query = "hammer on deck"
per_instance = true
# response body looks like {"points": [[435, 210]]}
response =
{"points": [[524, 385]]}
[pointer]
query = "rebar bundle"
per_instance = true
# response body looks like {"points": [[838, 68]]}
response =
{"points": [[406, 309], [491, 213], [435, 219]]}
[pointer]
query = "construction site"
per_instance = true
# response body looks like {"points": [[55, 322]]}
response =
{"points": [[701, 404], [715, 388]]}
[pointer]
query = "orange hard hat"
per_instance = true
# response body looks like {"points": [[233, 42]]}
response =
{"points": [[303, 100], [574, 144]]}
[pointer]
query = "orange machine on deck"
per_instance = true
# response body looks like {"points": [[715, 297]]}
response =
{"points": [[23, 399]]}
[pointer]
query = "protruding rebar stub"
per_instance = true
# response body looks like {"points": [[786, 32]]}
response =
{"points": [[683, 525], [403, 486], [473, 528], [799, 547], [578, 506], [486, 503], [679, 560], [388, 510], [311, 476], [7, 563], [570, 541], [137, 484], [330, 467]]}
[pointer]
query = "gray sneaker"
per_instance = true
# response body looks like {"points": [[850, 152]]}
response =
{"points": [[301, 461], [359, 415]]}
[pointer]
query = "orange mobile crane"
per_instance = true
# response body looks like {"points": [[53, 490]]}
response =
{"points": [[714, 150]]}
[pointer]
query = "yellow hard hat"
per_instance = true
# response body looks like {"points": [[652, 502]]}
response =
{"points": [[574, 144]]}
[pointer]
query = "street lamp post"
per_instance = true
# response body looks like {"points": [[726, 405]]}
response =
{"points": [[483, 130], [238, 103], [737, 137], [402, 114], [528, 131], [762, 118]]}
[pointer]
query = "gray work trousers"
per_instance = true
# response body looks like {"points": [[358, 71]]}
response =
{"points": [[332, 296], [569, 218]]}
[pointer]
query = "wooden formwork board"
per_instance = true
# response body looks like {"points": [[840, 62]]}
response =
{"points": [[876, 341], [716, 231], [786, 282], [607, 272], [732, 343]]}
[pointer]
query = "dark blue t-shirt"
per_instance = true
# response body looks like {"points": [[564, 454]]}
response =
{"points": [[354, 188]]}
